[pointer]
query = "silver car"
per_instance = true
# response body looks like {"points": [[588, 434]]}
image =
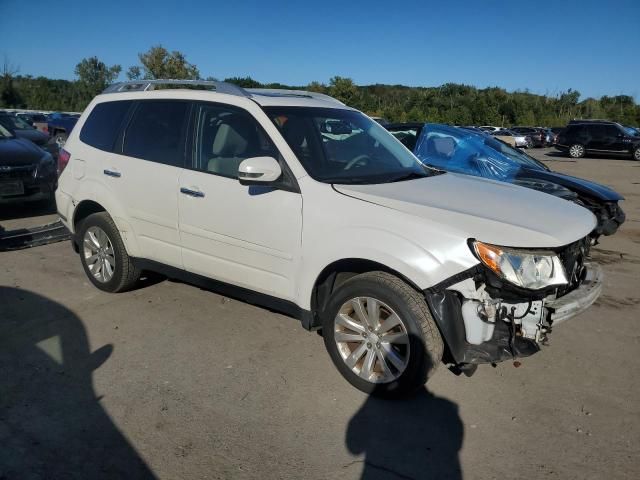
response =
{"points": [[516, 139]]}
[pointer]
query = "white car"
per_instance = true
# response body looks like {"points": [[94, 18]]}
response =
{"points": [[294, 201], [518, 140], [490, 128]]}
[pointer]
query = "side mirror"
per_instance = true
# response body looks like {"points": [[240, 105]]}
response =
{"points": [[259, 171]]}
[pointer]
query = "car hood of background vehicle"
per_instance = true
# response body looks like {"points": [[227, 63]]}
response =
{"points": [[578, 185], [36, 136], [19, 151], [487, 210]]}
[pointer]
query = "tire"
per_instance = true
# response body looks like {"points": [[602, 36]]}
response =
{"points": [[636, 154], [124, 275], [408, 362], [576, 151]]}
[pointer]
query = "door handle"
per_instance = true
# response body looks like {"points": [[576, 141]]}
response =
{"points": [[112, 173], [192, 193]]}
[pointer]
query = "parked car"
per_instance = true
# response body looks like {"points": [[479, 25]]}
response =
{"points": [[514, 139], [293, 200], [37, 120], [598, 137], [549, 138], [21, 129], [381, 120], [453, 150], [556, 131], [537, 136], [27, 172], [60, 125], [490, 128]]}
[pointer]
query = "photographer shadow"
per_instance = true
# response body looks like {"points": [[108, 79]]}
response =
{"points": [[415, 438], [51, 423]]}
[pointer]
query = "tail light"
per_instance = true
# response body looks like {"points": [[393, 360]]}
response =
{"points": [[63, 160]]}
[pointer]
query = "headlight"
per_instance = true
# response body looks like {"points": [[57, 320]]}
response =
{"points": [[527, 269]]}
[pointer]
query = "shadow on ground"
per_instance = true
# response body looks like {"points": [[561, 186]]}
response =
{"points": [[417, 438], [12, 211], [51, 423]]}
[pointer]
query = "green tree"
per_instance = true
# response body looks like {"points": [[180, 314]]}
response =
{"points": [[134, 72], [343, 89], [94, 76], [244, 82], [9, 95], [158, 63]]}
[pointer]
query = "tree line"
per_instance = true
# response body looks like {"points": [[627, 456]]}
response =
{"points": [[449, 103]]}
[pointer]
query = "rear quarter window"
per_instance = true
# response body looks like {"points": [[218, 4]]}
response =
{"points": [[103, 125]]}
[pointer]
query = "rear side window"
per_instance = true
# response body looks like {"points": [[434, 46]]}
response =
{"points": [[157, 132], [104, 122]]}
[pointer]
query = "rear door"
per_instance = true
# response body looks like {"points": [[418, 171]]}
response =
{"points": [[247, 236], [144, 176]]}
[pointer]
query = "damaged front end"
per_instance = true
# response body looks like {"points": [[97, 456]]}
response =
{"points": [[485, 317]]}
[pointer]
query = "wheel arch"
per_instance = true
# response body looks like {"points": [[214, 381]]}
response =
{"points": [[339, 271], [92, 205]]}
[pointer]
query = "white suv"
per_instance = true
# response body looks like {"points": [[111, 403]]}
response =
{"points": [[294, 201]]}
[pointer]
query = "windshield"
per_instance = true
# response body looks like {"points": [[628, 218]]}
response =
{"points": [[11, 122], [460, 151], [514, 154], [632, 131], [4, 133], [344, 146]]}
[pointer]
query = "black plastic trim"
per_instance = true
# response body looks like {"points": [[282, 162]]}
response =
{"points": [[249, 296]]}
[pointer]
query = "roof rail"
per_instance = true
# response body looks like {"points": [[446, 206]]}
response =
{"points": [[146, 85], [277, 92]]}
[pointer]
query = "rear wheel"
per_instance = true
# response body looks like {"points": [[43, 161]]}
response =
{"points": [[576, 151], [103, 255], [381, 336]]}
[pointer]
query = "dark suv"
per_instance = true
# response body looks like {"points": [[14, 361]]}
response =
{"points": [[601, 137]]}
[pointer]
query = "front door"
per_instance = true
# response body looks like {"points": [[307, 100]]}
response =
{"points": [[245, 236]]}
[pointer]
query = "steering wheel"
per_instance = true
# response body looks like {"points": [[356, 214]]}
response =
{"points": [[354, 161]]}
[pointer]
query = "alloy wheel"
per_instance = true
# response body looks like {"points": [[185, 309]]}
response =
{"points": [[636, 154], [576, 151], [98, 254], [372, 339]]}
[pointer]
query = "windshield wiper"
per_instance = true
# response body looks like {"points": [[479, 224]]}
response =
{"points": [[408, 176]]}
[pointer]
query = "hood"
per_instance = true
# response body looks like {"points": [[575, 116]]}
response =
{"points": [[18, 151], [578, 185], [486, 210], [36, 136]]}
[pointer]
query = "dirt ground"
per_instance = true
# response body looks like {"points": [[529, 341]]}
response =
{"points": [[170, 381]]}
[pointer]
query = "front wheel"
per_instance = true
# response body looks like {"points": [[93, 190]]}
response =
{"points": [[636, 154], [381, 336], [576, 151]]}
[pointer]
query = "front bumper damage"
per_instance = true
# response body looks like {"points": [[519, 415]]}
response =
{"points": [[480, 325]]}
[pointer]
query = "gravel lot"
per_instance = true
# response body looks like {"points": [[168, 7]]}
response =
{"points": [[171, 381]]}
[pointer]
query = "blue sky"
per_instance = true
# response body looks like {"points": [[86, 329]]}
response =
{"points": [[543, 46]]}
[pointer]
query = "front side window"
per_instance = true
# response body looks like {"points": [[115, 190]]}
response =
{"points": [[103, 125], [225, 137], [344, 146], [157, 132]]}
